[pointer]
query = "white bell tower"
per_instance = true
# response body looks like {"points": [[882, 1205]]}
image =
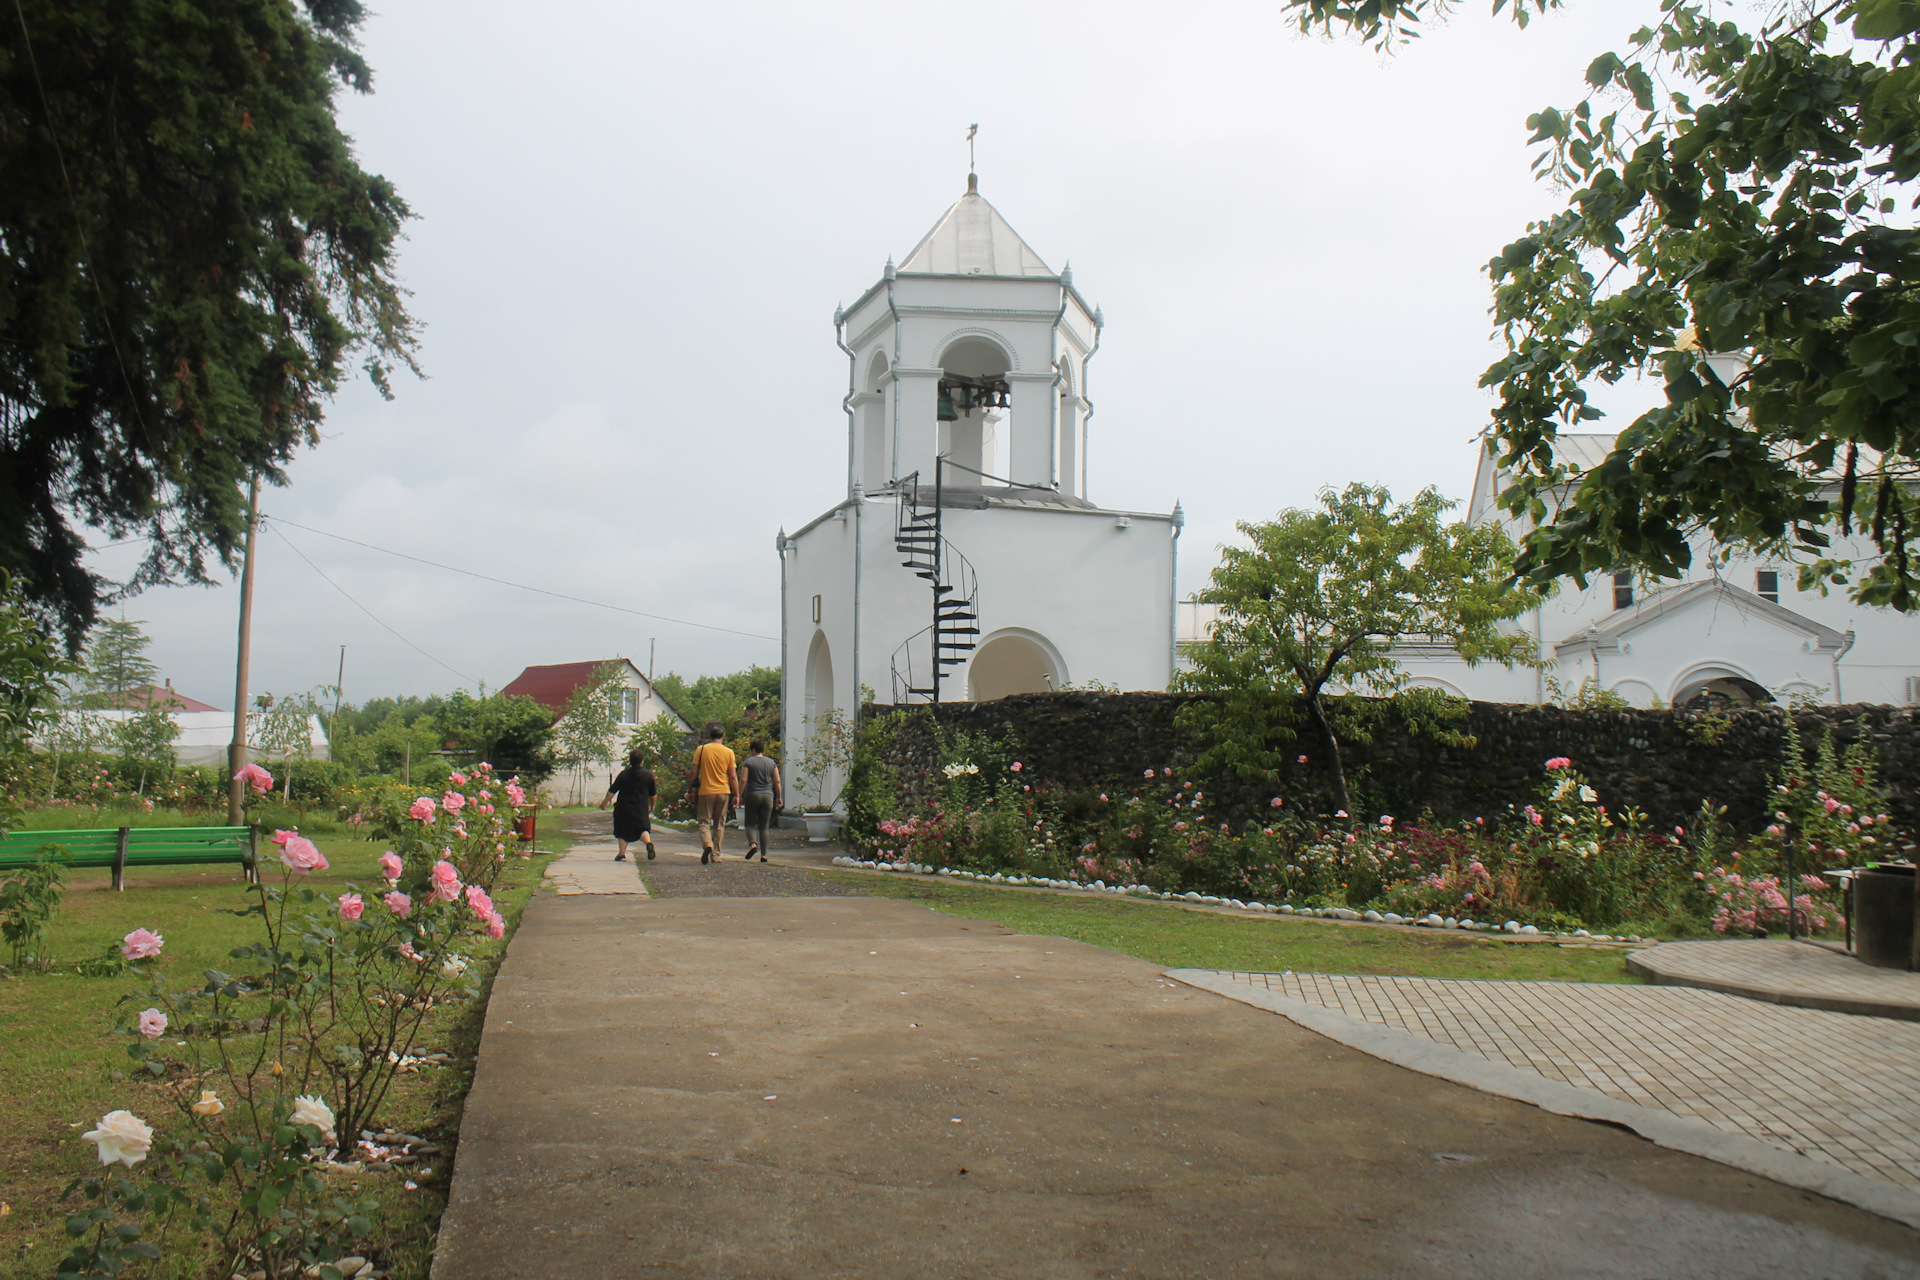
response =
{"points": [[965, 561], [972, 349]]}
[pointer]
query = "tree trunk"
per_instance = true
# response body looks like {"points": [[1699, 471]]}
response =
{"points": [[1336, 775]]}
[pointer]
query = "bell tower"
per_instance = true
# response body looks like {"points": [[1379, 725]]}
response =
{"points": [[972, 349]]}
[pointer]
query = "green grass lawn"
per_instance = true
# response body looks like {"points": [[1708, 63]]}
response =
{"points": [[61, 1068], [1178, 938]]}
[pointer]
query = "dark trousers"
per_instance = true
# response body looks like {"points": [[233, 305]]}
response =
{"points": [[759, 816]]}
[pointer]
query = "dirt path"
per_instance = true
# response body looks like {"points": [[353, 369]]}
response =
{"points": [[853, 1087]]}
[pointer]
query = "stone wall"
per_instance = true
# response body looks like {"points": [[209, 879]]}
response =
{"points": [[1664, 762]]}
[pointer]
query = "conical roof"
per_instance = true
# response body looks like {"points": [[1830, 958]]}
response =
{"points": [[972, 239]]}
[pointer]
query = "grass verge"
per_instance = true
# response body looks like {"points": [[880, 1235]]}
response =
{"points": [[1162, 933], [61, 1068]]}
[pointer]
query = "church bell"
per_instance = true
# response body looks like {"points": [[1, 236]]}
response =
{"points": [[946, 411]]}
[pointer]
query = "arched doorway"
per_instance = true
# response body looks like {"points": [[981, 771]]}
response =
{"points": [[819, 693], [1014, 661], [1718, 688]]}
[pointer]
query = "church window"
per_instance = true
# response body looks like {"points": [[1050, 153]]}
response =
{"points": [[629, 706], [1766, 584], [1623, 591]]}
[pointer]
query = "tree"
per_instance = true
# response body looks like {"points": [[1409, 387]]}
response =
{"points": [[116, 663], [32, 675], [744, 703], [145, 740], [588, 731], [189, 257], [1730, 190], [1320, 598]]}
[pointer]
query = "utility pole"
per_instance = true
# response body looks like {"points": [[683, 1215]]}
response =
{"points": [[339, 681], [237, 750], [652, 643]]}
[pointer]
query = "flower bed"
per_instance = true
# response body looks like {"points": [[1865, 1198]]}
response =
{"points": [[1557, 859]]}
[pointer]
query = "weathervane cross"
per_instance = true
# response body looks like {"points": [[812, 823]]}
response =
{"points": [[971, 130]]}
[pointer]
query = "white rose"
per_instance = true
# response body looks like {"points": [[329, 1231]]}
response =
{"points": [[453, 967], [310, 1110], [209, 1104], [1589, 795], [122, 1138]]}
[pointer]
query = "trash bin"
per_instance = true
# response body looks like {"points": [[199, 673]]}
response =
{"points": [[1883, 916]]}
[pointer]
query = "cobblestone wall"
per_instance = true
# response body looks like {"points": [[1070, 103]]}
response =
{"points": [[1665, 762]]}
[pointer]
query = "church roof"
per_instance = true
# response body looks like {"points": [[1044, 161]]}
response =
{"points": [[972, 239], [1663, 604]]}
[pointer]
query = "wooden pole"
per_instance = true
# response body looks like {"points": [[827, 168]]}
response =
{"points": [[237, 749]]}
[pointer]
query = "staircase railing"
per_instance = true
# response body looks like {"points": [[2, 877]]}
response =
{"points": [[919, 537]]}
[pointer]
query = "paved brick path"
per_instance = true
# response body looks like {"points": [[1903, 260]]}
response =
{"points": [[1830, 1086], [1796, 973]]}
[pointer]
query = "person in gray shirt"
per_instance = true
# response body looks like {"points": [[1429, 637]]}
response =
{"points": [[761, 791]]}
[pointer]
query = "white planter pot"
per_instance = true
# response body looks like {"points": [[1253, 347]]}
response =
{"points": [[819, 827]]}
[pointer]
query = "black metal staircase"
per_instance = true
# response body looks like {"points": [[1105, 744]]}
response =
{"points": [[955, 630]]}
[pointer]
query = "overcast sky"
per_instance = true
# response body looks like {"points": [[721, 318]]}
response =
{"points": [[635, 222]]}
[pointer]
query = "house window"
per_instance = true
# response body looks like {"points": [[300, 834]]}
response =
{"points": [[1623, 591], [1766, 584], [629, 706]]}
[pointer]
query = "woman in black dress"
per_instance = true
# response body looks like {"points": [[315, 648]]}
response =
{"points": [[633, 814]]}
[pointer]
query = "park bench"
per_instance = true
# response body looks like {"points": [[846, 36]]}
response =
{"points": [[123, 847]]}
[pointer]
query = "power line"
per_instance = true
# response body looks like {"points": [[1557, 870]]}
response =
{"points": [[362, 608], [558, 595]]}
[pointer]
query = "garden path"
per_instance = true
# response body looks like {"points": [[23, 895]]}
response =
{"points": [[858, 1087], [1810, 975], [588, 867], [1829, 1091]]}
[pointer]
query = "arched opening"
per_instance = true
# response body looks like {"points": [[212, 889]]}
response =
{"points": [[973, 399], [1013, 662], [1638, 693], [819, 695], [874, 452], [1718, 688], [1435, 682]]}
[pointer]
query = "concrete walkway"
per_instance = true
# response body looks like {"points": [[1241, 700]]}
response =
{"points": [[1804, 974], [1819, 1100], [854, 1087], [588, 867]]}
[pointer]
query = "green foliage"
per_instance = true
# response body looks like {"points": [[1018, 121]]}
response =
{"points": [[746, 703], [29, 900], [1319, 600], [1587, 696], [116, 663], [588, 731], [145, 741], [1834, 802], [190, 257], [872, 793], [393, 736], [826, 758], [32, 670], [1734, 189]]}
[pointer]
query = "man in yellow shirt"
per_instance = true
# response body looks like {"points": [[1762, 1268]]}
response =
{"points": [[718, 791]]}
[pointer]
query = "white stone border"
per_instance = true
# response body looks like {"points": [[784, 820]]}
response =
{"points": [[1512, 928], [1663, 1128]]}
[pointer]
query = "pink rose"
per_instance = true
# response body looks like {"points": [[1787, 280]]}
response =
{"points": [[141, 944], [254, 776], [281, 837], [299, 853], [1300, 760], [485, 767], [1166, 773], [457, 779], [1149, 773], [152, 1024], [1559, 762], [477, 899], [1773, 831], [446, 881], [1179, 826], [516, 795], [422, 809], [391, 866], [351, 905], [1832, 804], [399, 903], [485, 794], [1015, 766], [453, 802], [1274, 803], [496, 925], [406, 949]]}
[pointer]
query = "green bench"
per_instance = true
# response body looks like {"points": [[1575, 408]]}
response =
{"points": [[125, 847]]}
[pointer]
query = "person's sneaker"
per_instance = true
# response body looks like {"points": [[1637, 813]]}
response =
{"points": [[649, 853], [619, 857], [751, 850], [706, 856], [763, 857]]}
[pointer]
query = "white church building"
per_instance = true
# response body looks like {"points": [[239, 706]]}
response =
{"points": [[1735, 632], [965, 559]]}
